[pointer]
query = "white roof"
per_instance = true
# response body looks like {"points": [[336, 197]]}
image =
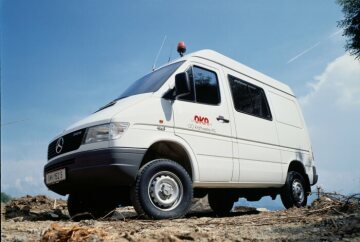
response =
{"points": [[240, 68]]}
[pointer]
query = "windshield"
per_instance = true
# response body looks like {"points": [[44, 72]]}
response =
{"points": [[152, 81]]}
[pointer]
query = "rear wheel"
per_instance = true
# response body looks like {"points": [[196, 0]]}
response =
{"points": [[294, 193], [163, 190], [221, 202]]}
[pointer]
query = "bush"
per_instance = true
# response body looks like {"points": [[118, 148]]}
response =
{"points": [[5, 197]]}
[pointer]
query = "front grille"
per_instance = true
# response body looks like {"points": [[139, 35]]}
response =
{"points": [[72, 141]]}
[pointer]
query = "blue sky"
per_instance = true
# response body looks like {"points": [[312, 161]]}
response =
{"points": [[61, 60]]}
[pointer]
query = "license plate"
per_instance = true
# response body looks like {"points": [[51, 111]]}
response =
{"points": [[55, 176]]}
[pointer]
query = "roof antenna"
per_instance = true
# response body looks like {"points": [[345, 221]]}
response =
{"points": [[170, 53], [181, 48], [157, 56]]}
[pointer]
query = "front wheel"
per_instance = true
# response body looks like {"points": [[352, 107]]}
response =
{"points": [[163, 190], [294, 193]]}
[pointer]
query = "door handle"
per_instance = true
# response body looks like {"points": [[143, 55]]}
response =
{"points": [[224, 120]]}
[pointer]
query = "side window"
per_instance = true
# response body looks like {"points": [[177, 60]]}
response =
{"points": [[249, 98], [204, 86]]}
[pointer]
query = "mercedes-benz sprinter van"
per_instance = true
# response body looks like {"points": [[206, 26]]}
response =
{"points": [[201, 125]]}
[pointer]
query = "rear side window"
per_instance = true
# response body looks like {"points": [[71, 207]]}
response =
{"points": [[249, 98], [204, 86]]}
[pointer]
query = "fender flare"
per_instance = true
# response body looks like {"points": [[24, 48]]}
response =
{"points": [[192, 158]]}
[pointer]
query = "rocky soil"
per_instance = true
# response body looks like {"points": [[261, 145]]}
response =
{"points": [[39, 218]]}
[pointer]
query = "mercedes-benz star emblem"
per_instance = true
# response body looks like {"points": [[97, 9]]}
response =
{"points": [[59, 145]]}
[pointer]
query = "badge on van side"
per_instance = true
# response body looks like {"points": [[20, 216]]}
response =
{"points": [[201, 123], [201, 120]]}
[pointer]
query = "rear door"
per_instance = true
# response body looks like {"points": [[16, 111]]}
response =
{"points": [[202, 119]]}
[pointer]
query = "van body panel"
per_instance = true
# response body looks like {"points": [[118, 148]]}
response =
{"points": [[150, 135], [292, 132], [152, 125], [289, 155]]}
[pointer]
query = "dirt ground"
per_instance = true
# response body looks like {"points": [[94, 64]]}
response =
{"points": [[42, 219]]}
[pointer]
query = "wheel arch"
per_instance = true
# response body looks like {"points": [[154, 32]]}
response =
{"points": [[173, 150], [298, 166]]}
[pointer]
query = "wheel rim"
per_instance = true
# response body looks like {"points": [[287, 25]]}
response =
{"points": [[165, 190], [298, 191]]}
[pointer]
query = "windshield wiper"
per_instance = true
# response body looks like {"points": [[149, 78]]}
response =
{"points": [[117, 99], [110, 104], [106, 106]]}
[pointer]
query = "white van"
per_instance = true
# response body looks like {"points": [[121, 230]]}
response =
{"points": [[201, 125]]}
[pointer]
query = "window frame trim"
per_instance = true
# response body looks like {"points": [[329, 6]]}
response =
{"points": [[194, 84], [229, 77]]}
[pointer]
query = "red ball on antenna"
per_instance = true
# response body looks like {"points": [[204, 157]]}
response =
{"points": [[181, 48]]}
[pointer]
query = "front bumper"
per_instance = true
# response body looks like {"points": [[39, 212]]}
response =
{"points": [[103, 168]]}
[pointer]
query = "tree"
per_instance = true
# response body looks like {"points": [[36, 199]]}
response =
{"points": [[351, 25], [5, 198]]}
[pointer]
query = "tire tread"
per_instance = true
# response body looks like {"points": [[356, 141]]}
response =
{"points": [[135, 192]]}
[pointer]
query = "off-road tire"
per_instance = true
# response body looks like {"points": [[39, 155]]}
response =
{"points": [[221, 202], [289, 197], [152, 174]]}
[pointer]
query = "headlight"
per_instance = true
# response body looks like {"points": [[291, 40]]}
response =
{"points": [[105, 132], [117, 129]]}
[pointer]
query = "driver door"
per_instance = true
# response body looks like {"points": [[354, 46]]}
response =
{"points": [[202, 119]]}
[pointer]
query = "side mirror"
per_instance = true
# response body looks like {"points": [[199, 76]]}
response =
{"points": [[182, 84]]}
